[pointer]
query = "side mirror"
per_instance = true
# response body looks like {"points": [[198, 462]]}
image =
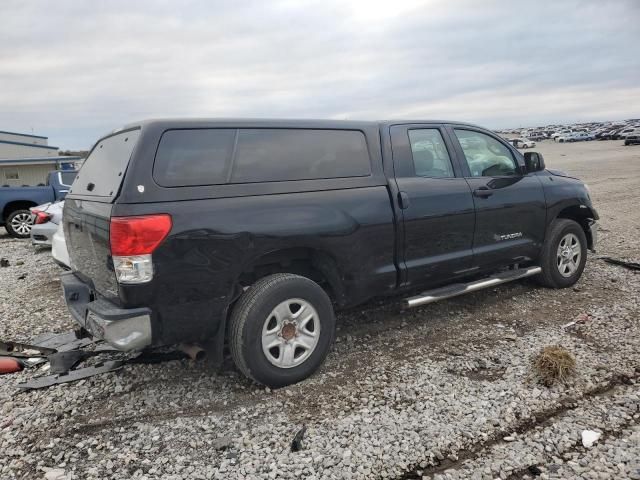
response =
{"points": [[534, 162]]}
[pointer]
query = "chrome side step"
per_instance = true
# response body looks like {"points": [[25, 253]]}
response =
{"points": [[456, 289]]}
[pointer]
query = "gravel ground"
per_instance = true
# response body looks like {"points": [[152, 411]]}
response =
{"points": [[443, 391]]}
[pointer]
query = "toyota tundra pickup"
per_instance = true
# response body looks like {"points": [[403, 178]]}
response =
{"points": [[252, 232]]}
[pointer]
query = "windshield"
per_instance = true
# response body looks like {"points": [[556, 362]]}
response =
{"points": [[103, 170]]}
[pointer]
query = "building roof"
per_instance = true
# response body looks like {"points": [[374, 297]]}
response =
{"points": [[12, 162], [23, 134], [11, 142]]}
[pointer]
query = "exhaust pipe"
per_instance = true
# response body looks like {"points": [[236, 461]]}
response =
{"points": [[195, 352]]}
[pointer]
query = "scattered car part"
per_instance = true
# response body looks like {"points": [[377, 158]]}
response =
{"points": [[62, 362], [622, 263], [10, 365], [72, 375], [296, 444], [24, 350], [4, 262], [62, 342]]}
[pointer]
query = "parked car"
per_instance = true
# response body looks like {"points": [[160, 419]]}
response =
{"points": [[578, 137], [254, 231], [15, 202], [632, 138], [59, 248], [523, 143], [622, 134], [45, 220]]}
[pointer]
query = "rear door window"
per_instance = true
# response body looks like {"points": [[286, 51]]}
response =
{"points": [[220, 156], [103, 170], [430, 156]]}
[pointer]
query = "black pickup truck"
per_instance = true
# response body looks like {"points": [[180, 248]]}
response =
{"points": [[253, 231]]}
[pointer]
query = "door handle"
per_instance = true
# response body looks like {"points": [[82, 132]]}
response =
{"points": [[403, 200], [483, 192]]}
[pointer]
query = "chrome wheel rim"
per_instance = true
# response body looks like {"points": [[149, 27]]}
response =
{"points": [[568, 255], [21, 223], [290, 333]]}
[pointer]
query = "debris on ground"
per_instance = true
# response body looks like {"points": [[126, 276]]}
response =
{"points": [[4, 262], [54, 474], [10, 365], [582, 318], [72, 375], [589, 437], [622, 263], [296, 444], [554, 364]]}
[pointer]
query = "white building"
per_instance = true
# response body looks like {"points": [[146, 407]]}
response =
{"points": [[27, 159]]}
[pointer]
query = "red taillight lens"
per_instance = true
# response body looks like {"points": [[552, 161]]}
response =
{"points": [[41, 217], [138, 235]]}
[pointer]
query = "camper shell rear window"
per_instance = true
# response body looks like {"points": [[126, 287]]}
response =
{"points": [[102, 172]]}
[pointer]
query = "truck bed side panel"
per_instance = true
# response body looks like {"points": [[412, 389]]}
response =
{"points": [[213, 241]]}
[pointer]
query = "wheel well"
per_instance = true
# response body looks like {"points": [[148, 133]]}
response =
{"points": [[16, 205], [313, 264], [583, 216]]}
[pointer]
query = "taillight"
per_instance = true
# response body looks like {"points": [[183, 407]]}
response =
{"points": [[138, 235], [41, 217], [132, 241]]}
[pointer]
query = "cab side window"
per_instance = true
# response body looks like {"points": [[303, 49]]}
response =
{"points": [[430, 156], [486, 156]]}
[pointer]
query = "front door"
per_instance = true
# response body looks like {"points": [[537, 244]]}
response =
{"points": [[435, 203], [510, 205]]}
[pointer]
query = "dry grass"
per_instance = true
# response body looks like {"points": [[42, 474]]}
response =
{"points": [[554, 364]]}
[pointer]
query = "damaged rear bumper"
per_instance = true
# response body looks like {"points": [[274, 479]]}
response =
{"points": [[125, 329]]}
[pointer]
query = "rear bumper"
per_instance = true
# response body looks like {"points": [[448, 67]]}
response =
{"points": [[124, 329], [42, 234]]}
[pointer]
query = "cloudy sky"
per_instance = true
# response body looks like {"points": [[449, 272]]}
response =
{"points": [[74, 70]]}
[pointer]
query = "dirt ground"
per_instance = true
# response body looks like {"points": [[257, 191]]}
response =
{"points": [[442, 390]]}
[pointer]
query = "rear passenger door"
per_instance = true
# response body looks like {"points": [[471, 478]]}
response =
{"points": [[435, 203], [510, 204]]}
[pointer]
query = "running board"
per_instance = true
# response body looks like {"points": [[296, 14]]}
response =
{"points": [[456, 289]]}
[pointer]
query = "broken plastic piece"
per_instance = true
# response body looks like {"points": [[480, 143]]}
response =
{"points": [[589, 437], [47, 381], [62, 362], [24, 350], [622, 263], [296, 444]]}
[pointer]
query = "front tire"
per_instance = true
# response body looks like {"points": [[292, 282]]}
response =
{"points": [[564, 254], [18, 223], [281, 330]]}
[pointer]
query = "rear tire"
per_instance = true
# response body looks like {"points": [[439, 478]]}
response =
{"points": [[18, 224], [564, 254], [281, 330]]}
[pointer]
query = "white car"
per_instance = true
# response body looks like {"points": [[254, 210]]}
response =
{"points": [[59, 248], [45, 219], [523, 143]]}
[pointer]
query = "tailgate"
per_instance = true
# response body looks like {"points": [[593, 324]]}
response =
{"points": [[87, 210], [86, 232]]}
